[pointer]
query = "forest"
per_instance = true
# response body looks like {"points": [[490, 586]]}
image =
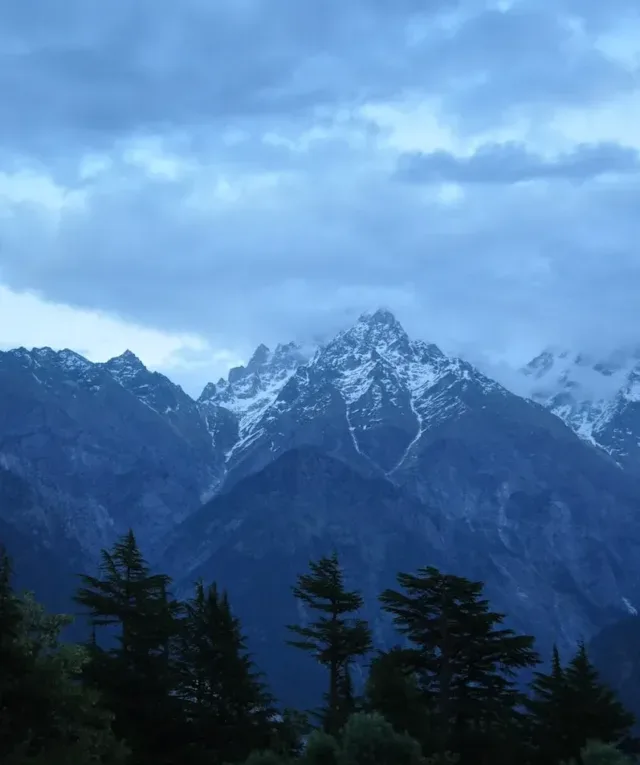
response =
{"points": [[161, 681]]}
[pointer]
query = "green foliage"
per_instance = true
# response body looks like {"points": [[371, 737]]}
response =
{"points": [[264, 757], [321, 749], [177, 683], [599, 753], [335, 638], [394, 691], [289, 733], [570, 706], [228, 709], [136, 677], [368, 739], [46, 714]]}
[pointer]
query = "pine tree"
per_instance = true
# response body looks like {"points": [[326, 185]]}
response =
{"points": [[335, 638], [570, 707], [393, 690], [228, 708], [595, 712], [136, 676], [465, 660], [548, 708]]}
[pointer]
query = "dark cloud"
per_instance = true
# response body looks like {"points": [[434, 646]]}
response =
{"points": [[512, 162], [309, 252], [285, 214], [91, 72]]}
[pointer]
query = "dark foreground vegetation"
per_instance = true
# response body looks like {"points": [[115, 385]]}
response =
{"points": [[162, 682]]}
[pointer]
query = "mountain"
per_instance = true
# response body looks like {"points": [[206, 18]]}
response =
{"points": [[599, 398], [257, 537], [104, 446], [375, 443]]}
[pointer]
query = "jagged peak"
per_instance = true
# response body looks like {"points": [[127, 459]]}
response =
{"points": [[373, 330], [65, 357], [208, 392], [260, 356], [126, 359]]}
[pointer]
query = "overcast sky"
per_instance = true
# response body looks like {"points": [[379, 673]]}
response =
{"points": [[188, 179]]}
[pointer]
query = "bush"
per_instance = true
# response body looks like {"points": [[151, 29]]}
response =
{"points": [[368, 739], [266, 757], [321, 749], [597, 753]]}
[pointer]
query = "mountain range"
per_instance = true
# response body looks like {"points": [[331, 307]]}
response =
{"points": [[376, 445]]}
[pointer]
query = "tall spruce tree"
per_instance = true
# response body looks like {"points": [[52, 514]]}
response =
{"points": [[596, 712], [136, 675], [229, 710], [549, 707], [466, 663], [336, 638], [570, 707]]}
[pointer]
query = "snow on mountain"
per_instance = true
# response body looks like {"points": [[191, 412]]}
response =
{"points": [[368, 394], [249, 391], [598, 397]]}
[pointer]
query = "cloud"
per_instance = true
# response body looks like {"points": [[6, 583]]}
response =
{"points": [[91, 73], [230, 171], [512, 163], [99, 337]]}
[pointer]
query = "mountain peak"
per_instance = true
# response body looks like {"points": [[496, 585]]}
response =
{"points": [[127, 365], [127, 358], [377, 331], [260, 357], [381, 316]]}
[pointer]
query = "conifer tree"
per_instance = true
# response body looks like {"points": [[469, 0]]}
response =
{"points": [[136, 676], [336, 638], [548, 708], [393, 690], [228, 708], [466, 661], [570, 707], [596, 713]]}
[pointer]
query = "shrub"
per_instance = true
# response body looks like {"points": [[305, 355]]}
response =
{"points": [[368, 739]]}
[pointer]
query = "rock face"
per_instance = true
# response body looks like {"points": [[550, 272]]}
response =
{"points": [[378, 445], [104, 447]]}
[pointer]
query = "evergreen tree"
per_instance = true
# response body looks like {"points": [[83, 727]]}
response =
{"points": [[228, 708], [570, 707], [466, 662], [136, 675], [335, 638], [595, 713], [393, 690], [548, 708]]}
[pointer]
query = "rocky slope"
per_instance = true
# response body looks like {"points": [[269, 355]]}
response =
{"points": [[102, 446], [558, 581]]}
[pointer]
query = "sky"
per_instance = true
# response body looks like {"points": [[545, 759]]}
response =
{"points": [[190, 179]]}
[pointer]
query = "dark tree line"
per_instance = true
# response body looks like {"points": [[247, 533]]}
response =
{"points": [[163, 682]]}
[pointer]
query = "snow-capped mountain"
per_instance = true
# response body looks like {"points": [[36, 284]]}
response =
{"points": [[599, 398], [494, 481], [375, 391]]}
